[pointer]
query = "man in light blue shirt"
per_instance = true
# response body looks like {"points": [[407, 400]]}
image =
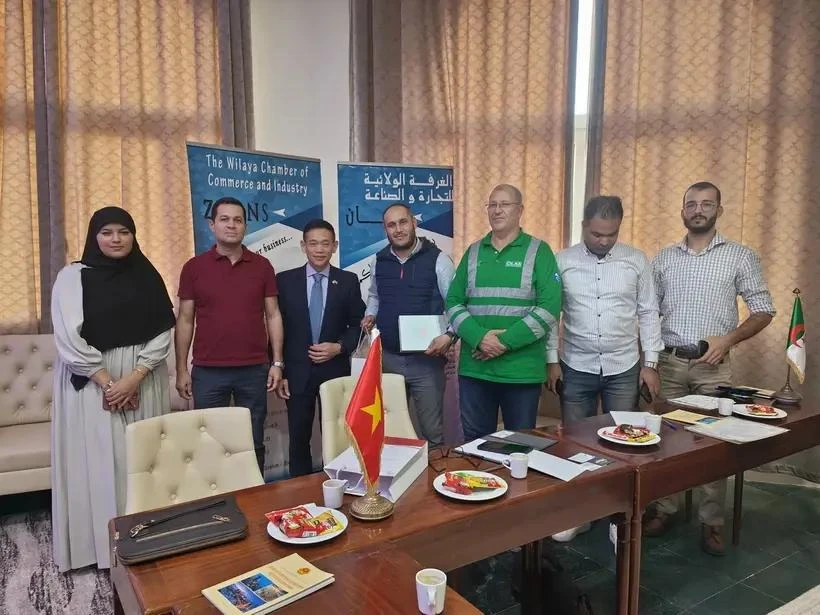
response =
{"points": [[609, 315]]}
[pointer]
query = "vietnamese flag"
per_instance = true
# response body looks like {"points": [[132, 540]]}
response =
{"points": [[365, 413]]}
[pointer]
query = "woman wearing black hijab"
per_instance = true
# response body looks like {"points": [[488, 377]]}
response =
{"points": [[112, 325]]}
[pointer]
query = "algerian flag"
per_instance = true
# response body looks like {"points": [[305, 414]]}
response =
{"points": [[796, 348]]}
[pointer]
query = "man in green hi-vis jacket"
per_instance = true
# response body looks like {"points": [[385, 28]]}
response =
{"points": [[504, 299]]}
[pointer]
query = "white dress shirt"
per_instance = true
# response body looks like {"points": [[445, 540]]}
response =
{"points": [[697, 291], [608, 305]]}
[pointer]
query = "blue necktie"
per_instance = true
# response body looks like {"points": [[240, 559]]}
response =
{"points": [[316, 307]]}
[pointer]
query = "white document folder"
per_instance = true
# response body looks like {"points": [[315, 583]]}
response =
{"points": [[417, 331]]}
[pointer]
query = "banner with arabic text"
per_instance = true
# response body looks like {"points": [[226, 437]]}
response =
{"points": [[367, 189]]}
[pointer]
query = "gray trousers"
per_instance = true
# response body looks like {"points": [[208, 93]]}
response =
{"points": [[681, 377], [424, 380]]}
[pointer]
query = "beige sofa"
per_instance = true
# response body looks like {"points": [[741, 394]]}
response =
{"points": [[26, 374]]}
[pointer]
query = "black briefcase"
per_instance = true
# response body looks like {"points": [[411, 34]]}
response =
{"points": [[153, 534]]}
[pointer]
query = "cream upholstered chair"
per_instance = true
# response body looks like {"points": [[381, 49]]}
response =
{"points": [[26, 375], [335, 395], [188, 455]]}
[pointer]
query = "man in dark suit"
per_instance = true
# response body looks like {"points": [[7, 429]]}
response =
{"points": [[321, 308]]}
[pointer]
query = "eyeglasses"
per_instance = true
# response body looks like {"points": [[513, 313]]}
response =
{"points": [[442, 454], [706, 206], [502, 205]]}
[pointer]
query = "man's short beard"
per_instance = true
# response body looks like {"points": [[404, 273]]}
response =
{"points": [[411, 241], [701, 230]]}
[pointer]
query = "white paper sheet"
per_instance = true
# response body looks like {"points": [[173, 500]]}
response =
{"points": [[737, 431], [554, 466], [417, 331], [538, 461]]}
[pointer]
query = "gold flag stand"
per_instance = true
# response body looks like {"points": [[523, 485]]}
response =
{"points": [[787, 395], [372, 506]]}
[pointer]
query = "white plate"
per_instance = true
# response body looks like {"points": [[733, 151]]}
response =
{"points": [[276, 533], [478, 496], [742, 411], [603, 433]]}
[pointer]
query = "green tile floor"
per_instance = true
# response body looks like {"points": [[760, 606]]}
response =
{"points": [[777, 560]]}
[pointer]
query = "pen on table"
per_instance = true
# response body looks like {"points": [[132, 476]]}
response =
{"points": [[671, 425]]}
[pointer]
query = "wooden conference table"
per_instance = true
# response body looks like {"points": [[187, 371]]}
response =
{"points": [[431, 530], [684, 460]]}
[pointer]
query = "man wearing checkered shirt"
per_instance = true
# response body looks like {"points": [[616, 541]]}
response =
{"points": [[698, 281]]}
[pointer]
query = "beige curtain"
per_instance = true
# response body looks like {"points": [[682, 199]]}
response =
{"points": [[19, 230], [479, 85], [726, 91], [136, 80]]}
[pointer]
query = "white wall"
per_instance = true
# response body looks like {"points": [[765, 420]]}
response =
{"points": [[301, 83]]}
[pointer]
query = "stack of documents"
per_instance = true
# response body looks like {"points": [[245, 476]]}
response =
{"points": [[691, 418], [737, 431], [704, 402]]}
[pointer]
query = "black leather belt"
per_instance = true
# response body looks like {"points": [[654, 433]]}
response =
{"points": [[689, 353]]}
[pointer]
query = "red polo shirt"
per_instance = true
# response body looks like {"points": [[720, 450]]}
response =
{"points": [[229, 307]]}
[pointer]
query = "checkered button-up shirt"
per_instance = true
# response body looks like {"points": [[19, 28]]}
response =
{"points": [[697, 291]]}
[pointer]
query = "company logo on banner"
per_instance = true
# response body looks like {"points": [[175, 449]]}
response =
{"points": [[366, 190], [280, 194]]}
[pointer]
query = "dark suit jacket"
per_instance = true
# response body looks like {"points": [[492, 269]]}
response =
{"points": [[343, 313]]}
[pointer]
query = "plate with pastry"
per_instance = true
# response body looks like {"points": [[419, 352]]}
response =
{"points": [[630, 435], [470, 485], [305, 524], [758, 411]]}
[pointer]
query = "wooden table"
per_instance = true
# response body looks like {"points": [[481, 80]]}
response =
{"points": [[433, 530], [684, 460], [367, 583]]}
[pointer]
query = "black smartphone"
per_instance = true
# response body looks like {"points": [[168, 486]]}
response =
{"points": [[645, 394], [503, 448], [559, 387], [703, 347]]}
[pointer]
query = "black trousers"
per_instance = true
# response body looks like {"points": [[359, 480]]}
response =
{"points": [[301, 412]]}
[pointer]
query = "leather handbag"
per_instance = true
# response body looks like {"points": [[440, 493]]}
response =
{"points": [[153, 534]]}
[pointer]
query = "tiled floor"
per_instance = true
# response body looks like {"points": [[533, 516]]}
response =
{"points": [[778, 559]]}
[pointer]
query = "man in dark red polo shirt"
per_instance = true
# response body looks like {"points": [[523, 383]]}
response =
{"points": [[231, 294]]}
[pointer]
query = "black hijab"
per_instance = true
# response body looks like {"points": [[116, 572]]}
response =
{"points": [[125, 301]]}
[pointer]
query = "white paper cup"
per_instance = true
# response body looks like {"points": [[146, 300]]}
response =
{"points": [[653, 423], [333, 491], [725, 406], [431, 585], [517, 464]]}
